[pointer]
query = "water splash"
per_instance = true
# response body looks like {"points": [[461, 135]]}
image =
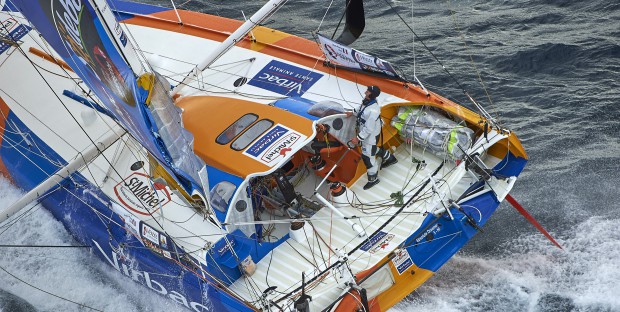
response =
{"points": [[531, 275], [71, 273]]}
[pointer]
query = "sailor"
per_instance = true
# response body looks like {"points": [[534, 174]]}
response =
{"points": [[368, 128]]}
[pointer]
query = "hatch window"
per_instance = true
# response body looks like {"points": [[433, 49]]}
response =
{"points": [[237, 127], [221, 194], [251, 134]]}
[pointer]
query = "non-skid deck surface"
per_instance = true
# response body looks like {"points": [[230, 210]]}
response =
{"points": [[373, 208]]}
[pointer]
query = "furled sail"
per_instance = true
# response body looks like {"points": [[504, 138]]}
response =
{"points": [[355, 22], [80, 32], [342, 56]]}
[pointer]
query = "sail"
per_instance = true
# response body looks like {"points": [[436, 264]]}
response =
{"points": [[355, 22], [102, 56], [343, 56]]}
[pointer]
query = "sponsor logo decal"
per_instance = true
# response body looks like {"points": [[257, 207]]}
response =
{"points": [[339, 54], [140, 195], [132, 222], [150, 233], [225, 246], [285, 79], [120, 34], [13, 31], [77, 27], [402, 261], [364, 58], [377, 242], [330, 50], [7, 26], [152, 282], [430, 234], [274, 145]]}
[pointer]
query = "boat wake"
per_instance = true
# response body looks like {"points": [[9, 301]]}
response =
{"points": [[73, 275], [531, 275], [526, 274]]}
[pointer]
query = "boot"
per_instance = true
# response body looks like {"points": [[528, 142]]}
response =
{"points": [[372, 181], [390, 160]]}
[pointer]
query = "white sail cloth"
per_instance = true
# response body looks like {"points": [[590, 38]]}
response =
{"points": [[432, 130]]}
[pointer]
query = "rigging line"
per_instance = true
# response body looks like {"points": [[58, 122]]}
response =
{"points": [[26, 213], [413, 44], [100, 214], [47, 292], [324, 15], [57, 74], [253, 287], [177, 12], [311, 247], [88, 94], [44, 256], [39, 120], [268, 268], [66, 108], [139, 54], [431, 52], [32, 161], [43, 246], [17, 145], [284, 221], [329, 247], [471, 59], [47, 49], [338, 263], [341, 18], [229, 91], [359, 256]]}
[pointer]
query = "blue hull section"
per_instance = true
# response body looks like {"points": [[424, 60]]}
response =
{"points": [[85, 212], [439, 238]]}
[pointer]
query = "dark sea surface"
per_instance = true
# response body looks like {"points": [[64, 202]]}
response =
{"points": [[552, 73]]}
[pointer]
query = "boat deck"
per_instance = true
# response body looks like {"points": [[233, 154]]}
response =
{"points": [[330, 235]]}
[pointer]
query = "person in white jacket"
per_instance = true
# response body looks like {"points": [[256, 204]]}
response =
{"points": [[368, 128]]}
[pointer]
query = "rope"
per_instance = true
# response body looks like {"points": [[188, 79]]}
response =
{"points": [[341, 17], [47, 292], [480, 109], [43, 246], [471, 59], [324, 15]]}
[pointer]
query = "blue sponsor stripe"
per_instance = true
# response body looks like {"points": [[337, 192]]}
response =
{"points": [[373, 240], [404, 266], [14, 35], [266, 140], [125, 10], [81, 217], [285, 79]]}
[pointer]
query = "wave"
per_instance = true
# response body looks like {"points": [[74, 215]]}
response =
{"points": [[71, 273], [531, 275]]}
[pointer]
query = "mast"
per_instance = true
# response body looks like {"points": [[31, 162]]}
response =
{"points": [[260, 16]]}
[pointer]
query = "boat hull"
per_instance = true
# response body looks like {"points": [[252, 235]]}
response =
{"points": [[86, 211], [78, 204]]}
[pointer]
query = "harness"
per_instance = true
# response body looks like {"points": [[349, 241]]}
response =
{"points": [[361, 121]]}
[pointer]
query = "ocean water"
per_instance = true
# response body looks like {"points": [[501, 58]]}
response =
{"points": [[552, 72]]}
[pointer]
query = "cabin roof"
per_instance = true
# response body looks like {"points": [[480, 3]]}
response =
{"points": [[208, 118]]}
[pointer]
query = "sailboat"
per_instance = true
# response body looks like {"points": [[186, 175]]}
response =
{"points": [[226, 180]]}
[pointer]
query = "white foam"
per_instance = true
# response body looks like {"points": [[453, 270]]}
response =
{"points": [[72, 273], [531, 275], [585, 275]]}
